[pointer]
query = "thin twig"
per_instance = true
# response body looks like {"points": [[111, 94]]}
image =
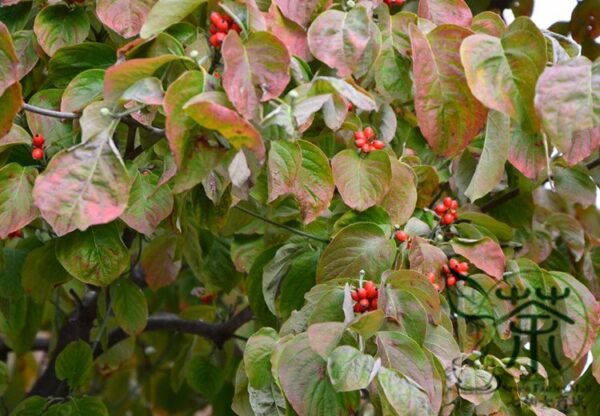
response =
{"points": [[50, 113]]}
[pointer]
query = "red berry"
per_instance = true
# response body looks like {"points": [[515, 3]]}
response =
{"points": [[359, 135], [431, 277], [236, 27], [401, 236], [208, 298], [446, 269], [217, 39], [222, 26], [448, 219], [217, 75], [364, 304], [448, 201], [451, 281], [463, 267], [228, 18], [354, 295], [368, 284], [369, 133], [374, 303], [362, 293], [454, 204], [37, 153], [360, 142], [350, 107], [215, 18], [371, 292], [212, 29], [366, 148], [15, 234], [38, 140], [357, 307], [440, 209], [378, 144], [453, 263]]}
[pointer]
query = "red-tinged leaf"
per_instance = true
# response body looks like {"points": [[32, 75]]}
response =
{"points": [[59, 25], [10, 103], [125, 17], [93, 184], [489, 23], [96, 256], [16, 204], [256, 70], [159, 261], [209, 111], [290, 33], [199, 161], [455, 12], [401, 199], [449, 115], [120, 77], [502, 72], [526, 153], [426, 258], [84, 89], [302, 12], [567, 102], [361, 181], [314, 185], [9, 61], [27, 51], [486, 254], [344, 41], [55, 130], [17, 135], [148, 204], [285, 159], [164, 13]]}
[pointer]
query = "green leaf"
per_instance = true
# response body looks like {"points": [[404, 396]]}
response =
{"points": [[9, 61], [569, 107], [575, 184], [301, 14], [42, 272], [256, 70], [401, 199], [490, 168], [401, 397], [361, 246], [570, 231], [55, 131], [209, 110], [129, 305], [362, 182], [476, 385], [84, 89], [3, 378], [149, 204], [347, 42], [442, 344], [16, 204], [96, 256], [10, 102], [486, 254], [257, 357], [31, 406], [499, 229], [420, 288], [72, 60], [255, 288], [489, 23], [299, 279], [449, 115], [455, 12], [349, 369], [93, 183], [276, 269], [58, 25], [204, 377], [285, 159], [16, 136], [74, 363], [84, 406], [393, 76], [159, 261], [367, 324], [125, 17], [502, 73], [164, 13]]}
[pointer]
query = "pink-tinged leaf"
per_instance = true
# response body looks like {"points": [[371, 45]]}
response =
{"points": [[291, 34], [145, 91], [401, 199], [10, 103], [526, 153], [302, 12], [84, 89], [209, 111], [96, 256], [285, 159], [486, 254], [9, 61], [55, 130], [93, 183], [502, 72], [426, 258], [449, 115], [256, 70], [120, 77], [314, 185], [125, 17], [489, 23], [159, 261], [17, 135], [59, 25], [455, 12], [568, 103], [344, 41], [16, 204], [148, 204], [199, 161], [27, 51], [361, 181]]}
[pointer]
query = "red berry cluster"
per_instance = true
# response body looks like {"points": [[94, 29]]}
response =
{"points": [[454, 266], [391, 3], [365, 140], [15, 234], [365, 297], [447, 210], [219, 27], [38, 142]]}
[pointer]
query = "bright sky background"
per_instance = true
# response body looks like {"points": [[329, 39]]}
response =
{"points": [[546, 12]]}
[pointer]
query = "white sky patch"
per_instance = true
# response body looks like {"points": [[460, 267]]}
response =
{"points": [[547, 12]]}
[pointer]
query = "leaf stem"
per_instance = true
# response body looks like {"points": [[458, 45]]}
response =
{"points": [[285, 227], [50, 113]]}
